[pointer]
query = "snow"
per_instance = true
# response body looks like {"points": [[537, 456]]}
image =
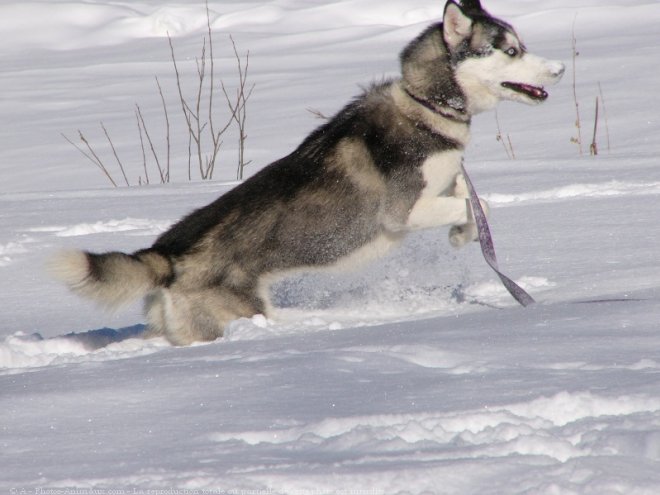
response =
{"points": [[415, 375]]}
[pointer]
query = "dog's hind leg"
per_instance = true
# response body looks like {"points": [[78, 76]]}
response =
{"points": [[185, 316]]}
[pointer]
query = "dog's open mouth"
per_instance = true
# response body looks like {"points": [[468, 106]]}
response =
{"points": [[533, 92]]}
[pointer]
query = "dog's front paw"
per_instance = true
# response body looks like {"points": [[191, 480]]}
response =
{"points": [[460, 235]]}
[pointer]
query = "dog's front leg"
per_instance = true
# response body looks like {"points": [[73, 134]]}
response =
{"points": [[461, 234], [435, 211]]}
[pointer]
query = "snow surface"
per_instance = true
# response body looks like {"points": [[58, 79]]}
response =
{"points": [[418, 374]]}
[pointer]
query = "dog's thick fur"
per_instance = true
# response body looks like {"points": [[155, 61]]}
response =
{"points": [[386, 164]]}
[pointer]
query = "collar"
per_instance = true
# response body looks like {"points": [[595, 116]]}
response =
{"points": [[454, 115]]}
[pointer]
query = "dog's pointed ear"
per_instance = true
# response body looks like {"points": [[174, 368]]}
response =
{"points": [[456, 25]]}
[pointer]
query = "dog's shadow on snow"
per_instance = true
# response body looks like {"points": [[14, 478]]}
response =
{"points": [[103, 337]]}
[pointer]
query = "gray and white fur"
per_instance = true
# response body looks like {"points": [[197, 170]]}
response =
{"points": [[386, 164]]}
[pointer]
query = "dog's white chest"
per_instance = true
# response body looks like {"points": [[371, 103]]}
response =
{"points": [[439, 171]]}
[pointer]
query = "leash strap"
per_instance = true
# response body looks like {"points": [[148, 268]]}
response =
{"points": [[487, 247]]}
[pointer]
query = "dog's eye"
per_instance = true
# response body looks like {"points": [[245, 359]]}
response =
{"points": [[511, 52]]}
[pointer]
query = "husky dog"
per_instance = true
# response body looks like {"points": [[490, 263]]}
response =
{"points": [[386, 164]]}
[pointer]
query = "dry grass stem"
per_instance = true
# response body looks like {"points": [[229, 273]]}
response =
{"points": [[607, 125], [593, 147], [114, 152], [578, 124], [508, 146], [91, 156]]}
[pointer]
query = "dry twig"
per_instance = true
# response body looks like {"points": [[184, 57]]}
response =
{"points": [[578, 124], [593, 147], [508, 149]]}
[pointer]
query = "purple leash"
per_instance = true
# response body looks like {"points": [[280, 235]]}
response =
{"points": [[487, 247]]}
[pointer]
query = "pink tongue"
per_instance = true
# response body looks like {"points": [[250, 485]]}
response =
{"points": [[531, 91], [534, 91]]}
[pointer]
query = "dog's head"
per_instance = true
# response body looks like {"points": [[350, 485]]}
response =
{"points": [[491, 62], [473, 60]]}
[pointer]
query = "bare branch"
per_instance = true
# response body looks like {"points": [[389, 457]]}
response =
{"points": [[204, 136], [151, 145], [317, 113], [184, 106], [212, 84], [607, 125], [144, 155], [578, 123], [593, 147], [91, 156], [513, 153], [114, 152], [167, 131], [499, 137], [238, 106], [189, 156]]}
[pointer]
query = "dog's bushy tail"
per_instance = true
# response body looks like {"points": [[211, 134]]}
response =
{"points": [[112, 279]]}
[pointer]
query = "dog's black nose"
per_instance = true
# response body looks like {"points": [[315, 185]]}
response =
{"points": [[559, 70]]}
